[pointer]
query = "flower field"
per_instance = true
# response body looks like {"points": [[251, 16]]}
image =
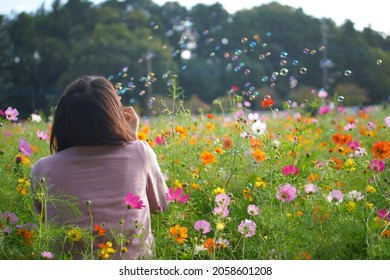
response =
{"points": [[307, 181]]}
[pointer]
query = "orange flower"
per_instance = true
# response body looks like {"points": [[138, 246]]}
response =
{"points": [[27, 234], [100, 231], [386, 233], [207, 158], [341, 139], [181, 131], [210, 126], [210, 245], [259, 155], [255, 143], [314, 177], [219, 150], [267, 102], [380, 150], [303, 256], [227, 143], [179, 233], [210, 116], [336, 163]]}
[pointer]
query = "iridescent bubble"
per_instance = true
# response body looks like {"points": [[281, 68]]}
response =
{"points": [[238, 52], [242, 64], [313, 52], [247, 84], [306, 50], [264, 45], [267, 53], [283, 62], [111, 77], [272, 85], [125, 69], [237, 69], [252, 97], [295, 62], [252, 44], [252, 88], [244, 40], [330, 131], [226, 55], [303, 70], [321, 48], [142, 92], [234, 57], [264, 79], [340, 98], [247, 103], [267, 97], [276, 110], [284, 71], [379, 62], [347, 73], [269, 34], [152, 99], [225, 41], [247, 71], [283, 54], [262, 56]]}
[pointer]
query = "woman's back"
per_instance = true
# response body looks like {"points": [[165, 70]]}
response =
{"points": [[102, 176]]}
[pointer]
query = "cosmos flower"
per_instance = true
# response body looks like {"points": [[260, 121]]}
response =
{"points": [[384, 214], [222, 199], [267, 102], [179, 233], [377, 165], [207, 158], [286, 193], [253, 210], [247, 228], [11, 114], [202, 226], [42, 135], [47, 255], [133, 201], [387, 121], [311, 188], [290, 170], [177, 195], [335, 196], [355, 195], [380, 150], [323, 110], [259, 127], [24, 147], [36, 118]]}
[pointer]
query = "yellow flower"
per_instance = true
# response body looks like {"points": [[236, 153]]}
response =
{"points": [[141, 136], [220, 226], [218, 190], [210, 126], [260, 183], [259, 155], [369, 205], [179, 233], [351, 206], [350, 164], [74, 234], [219, 150], [247, 194], [106, 250], [371, 189]]}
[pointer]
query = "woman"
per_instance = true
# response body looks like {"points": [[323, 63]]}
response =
{"points": [[97, 159]]}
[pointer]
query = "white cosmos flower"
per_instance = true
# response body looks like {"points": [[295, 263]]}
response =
{"points": [[259, 127]]}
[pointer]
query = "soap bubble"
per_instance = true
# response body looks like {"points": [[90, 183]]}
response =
{"points": [[348, 73]]}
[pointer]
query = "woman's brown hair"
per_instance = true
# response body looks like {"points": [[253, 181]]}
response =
{"points": [[89, 113]]}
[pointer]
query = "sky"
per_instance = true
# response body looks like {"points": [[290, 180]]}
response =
{"points": [[363, 13]]}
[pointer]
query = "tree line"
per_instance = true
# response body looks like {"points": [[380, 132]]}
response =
{"points": [[270, 49]]}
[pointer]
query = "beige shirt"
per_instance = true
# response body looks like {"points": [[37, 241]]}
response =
{"points": [[104, 175]]}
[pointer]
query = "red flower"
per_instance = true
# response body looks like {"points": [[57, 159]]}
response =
{"points": [[267, 102]]}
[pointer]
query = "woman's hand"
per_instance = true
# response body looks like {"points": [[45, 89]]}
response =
{"points": [[132, 120]]}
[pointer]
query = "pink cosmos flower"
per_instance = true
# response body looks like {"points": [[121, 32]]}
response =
{"points": [[253, 210], [286, 193], [42, 135], [377, 165], [349, 126], [222, 211], [322, 94], [335, 196], [47, 255], [239, 114], [24, 147], [247, 228], [133, 201], [222, 199], [354, 145], [202, 226], [371, 125], [177, 195], [387, 121], [290, 170], [160, 140], [384, 214], [11, 114], [311, 188], [324, 110]]}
